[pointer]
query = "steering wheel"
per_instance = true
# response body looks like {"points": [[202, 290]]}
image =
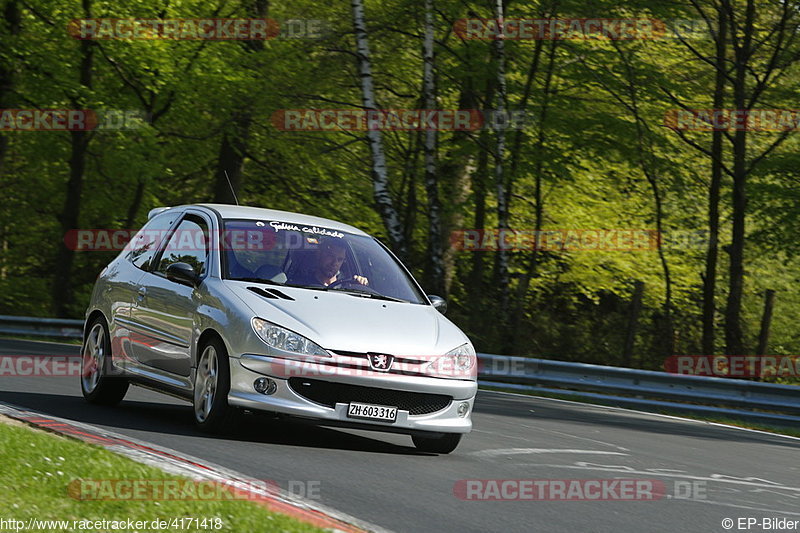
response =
{"points": [[341, 282], [351, 283]]}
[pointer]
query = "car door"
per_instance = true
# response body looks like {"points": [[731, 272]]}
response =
{"points": [[164, 311], [125, 275]]}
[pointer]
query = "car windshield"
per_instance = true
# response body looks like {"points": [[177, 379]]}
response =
{"points": [[314, 257]]}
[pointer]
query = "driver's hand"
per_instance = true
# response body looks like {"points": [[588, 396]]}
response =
{"points": [[361, 279]]}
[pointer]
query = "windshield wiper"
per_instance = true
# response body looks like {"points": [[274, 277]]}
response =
{"points": [[368, 294], [312, 287], [270, 282], [351, 292]]}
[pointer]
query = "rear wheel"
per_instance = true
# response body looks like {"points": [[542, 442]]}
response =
{"points": [[444, 444], [97, 384], [212, 383]]}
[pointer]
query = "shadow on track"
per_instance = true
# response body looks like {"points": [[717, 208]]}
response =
{"points": [[176, 419]]}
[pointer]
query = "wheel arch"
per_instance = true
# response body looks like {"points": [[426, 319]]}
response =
{"points": [[207, 334], [94, 315]]}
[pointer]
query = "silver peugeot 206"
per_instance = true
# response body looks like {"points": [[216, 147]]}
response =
{"points": [[241, 308]]}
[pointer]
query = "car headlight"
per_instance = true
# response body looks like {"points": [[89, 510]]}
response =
{"points": [[459, 362], [463, 356], [286, 340]]}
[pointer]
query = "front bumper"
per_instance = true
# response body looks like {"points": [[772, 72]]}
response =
{"points": [[286, 400]]}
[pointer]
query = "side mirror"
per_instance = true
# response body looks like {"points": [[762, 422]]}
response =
{"points": [[182, 273], [439, 303]]}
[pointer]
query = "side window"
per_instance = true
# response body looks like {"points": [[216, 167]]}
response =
{"points": [[144, 245], [253, 249], [188, 244]]}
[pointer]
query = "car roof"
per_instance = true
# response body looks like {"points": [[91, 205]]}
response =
{"points": [[228, 211]]}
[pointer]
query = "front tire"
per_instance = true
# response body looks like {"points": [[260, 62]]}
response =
{"points": [[212, 382], [444, 444], [97, 385]]}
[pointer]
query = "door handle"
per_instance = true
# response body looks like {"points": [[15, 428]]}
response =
{"points": [[141, 293]]}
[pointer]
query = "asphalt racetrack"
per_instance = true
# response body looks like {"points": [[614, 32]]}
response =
{"points": [[708, 473]]}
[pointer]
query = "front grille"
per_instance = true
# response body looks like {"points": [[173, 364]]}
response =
{"points": [[329, 394]]}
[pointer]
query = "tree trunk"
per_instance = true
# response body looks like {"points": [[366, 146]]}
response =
{"points": [[4, 250], [533, 257], [136, 203], [11, 20], [766, 318], [380, 177], [408, 188], [710, 276], [232, 150], [231, 159], [733, 328], [503, 203], [435, 244], [477, 283], [79, 141], [457, 170], [479, 187], [651, 172], [633, 321]]}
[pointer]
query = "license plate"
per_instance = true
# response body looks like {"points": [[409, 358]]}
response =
{"points": [[372, 412]]}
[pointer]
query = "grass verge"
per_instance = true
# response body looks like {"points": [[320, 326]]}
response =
{"points": [[36, 468]]}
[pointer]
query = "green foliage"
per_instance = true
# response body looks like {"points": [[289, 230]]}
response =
{"points": [[583, 146]]}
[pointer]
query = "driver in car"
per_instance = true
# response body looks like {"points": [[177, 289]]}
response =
{"points": [[328, 259]]}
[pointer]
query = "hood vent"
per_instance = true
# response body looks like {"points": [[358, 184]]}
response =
{"points": [[272, 294], [280, 294]]}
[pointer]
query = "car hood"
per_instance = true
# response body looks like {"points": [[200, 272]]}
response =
{"points": [[342, 322]]}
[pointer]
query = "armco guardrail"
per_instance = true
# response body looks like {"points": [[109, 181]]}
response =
{"points": [[645, 388], [44, 327]]}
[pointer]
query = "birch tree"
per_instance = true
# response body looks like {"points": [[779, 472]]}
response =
{"points": [[380, 174], [435, 255], [501, 265]]}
